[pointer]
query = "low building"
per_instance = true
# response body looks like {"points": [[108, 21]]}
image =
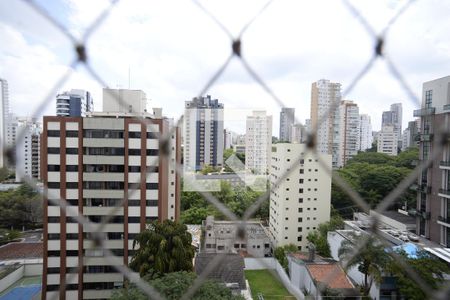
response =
{"points": [[230, 271], [223, 237], [320, 277]]}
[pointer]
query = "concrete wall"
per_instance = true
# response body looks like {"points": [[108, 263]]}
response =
{"points": [[259, 263], [11, 278], [33, 269]]}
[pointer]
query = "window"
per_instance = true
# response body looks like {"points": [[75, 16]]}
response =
{"points": [[53, 185], [428, 98], [53, 133], [134, 135], [71, 133], [72, 168], [71, 150], [300, 200], [152, 202], [151, 186], [300, 180], [300, 191], [152, 152], [300, 209], [134, 169], [52, 150], [53, 168], [300, 219], [299, 239], [72, 185], [302, 161], [299, 229], [152, 135], [134, 151], [302, 171]]}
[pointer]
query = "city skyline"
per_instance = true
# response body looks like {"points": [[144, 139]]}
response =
{"points": [[158, 72]]}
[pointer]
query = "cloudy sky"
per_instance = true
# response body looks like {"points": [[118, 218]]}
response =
{"points": [[172, 49]]}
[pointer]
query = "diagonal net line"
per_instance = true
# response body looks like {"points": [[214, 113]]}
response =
{"points": [[99, 20]]}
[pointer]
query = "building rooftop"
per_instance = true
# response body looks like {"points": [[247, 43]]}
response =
{"points": [[331, 274], [24, 250], [395, 215]]}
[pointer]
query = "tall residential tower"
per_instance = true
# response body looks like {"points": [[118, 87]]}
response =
{"points": [[258, 142], [287, 119]]}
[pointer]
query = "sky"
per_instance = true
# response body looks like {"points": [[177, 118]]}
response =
{"points": [[170, 49]]}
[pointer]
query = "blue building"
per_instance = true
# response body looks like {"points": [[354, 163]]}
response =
{"points": [[74, 103]]}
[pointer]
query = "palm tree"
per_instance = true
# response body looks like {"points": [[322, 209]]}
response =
{"points": [[164, 247], [370, 259]]}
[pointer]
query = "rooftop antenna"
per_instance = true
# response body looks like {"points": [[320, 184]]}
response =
{"points": [[129, 77]]}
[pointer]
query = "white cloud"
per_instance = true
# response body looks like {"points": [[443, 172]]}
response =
{"points": [[173, 48]]}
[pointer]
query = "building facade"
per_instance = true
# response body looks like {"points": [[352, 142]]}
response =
{"points": [[300, 202], [74, 103], [387, 141], [258, 142], [365, 132], [433, 196], [393, 117], [221, 237], [203, 133], [109, 168], [4, 115], [298, 133], [349, 131], [287, 119], [325, 96], [410, 135], [28, 149]]}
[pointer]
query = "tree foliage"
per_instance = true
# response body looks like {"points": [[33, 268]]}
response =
{"points": [[20, 208], [430, 270], [370, 259], [163, 247], [174, 285], [194, 207], [374, 175], [281, 253], [319, 236]]}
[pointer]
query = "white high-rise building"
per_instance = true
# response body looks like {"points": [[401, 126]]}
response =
{"points": [[365, 132], [394, 117], [124, 100], [203, 133], [4, 122], [258, 142], [324, 96], [74, 103], [287, 119], [28, 149], [300, 202], [298, 133], [387, 140], [349, 131]]}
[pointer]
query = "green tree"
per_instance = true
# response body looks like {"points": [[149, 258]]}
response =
{"points": [[430, 270], [281, 253], [174, 285], [407, 158], [319, 236], [370, 259], [163, 247], [195, 215]]}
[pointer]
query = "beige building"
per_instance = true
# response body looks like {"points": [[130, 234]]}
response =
{"points": [[300, 202], [325, 96], [387, 140]]}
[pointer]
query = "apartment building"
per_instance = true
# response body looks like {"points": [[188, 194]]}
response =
{"points": [[258, 142], [287, 119], [109, 167], [74, 103], [298, 133], [387, 140], [349, 131], [365, 132], [433, 195], [302, 200], [4, 119], [325, 96], [27, 149], [203, 133]]}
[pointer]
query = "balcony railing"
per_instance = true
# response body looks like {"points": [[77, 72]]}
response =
{"points": [[423, 137], [445, 192], [444, 163], [444, 219], [447, 107], [424, 112], [423, 214]]}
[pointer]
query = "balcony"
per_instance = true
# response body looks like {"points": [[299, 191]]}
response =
{"points": [[421, 188], [445, 220], [444, 164], [423, 214], [423, 137], [424, 112], [444, 193], [446, 107]]}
